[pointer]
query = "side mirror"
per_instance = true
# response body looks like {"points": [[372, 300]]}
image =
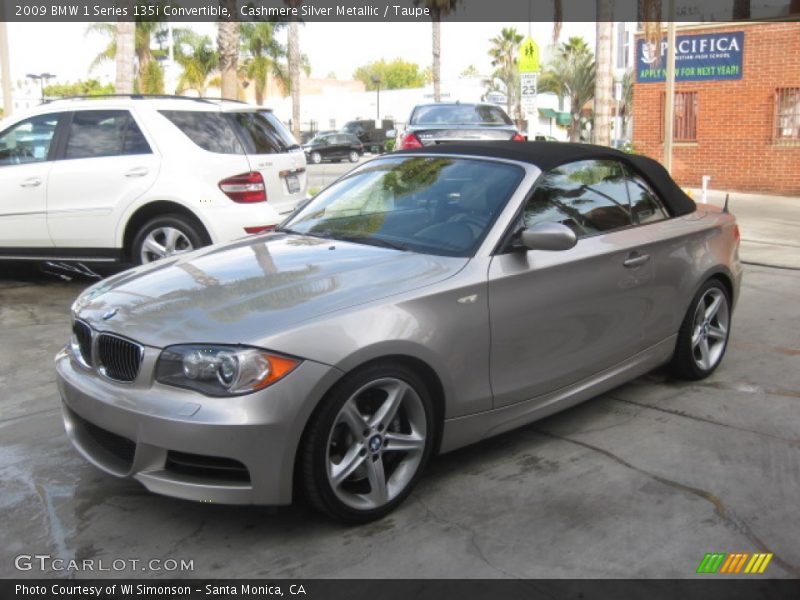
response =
{"points": [[548, 236]]}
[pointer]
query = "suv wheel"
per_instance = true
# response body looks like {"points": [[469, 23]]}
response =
{"points": [[368, 443], [166, 236], [316, 158], [353, 156]]}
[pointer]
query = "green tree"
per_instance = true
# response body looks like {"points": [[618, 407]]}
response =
{"points": [[570, 73], [470, 71], [263, 55], [88, 87], [504, 51], [392, 75], [195, 53]]}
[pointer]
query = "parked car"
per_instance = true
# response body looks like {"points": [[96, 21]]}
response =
{"points": [[335, 147], [425, 301], [445, 123], [137, 178], [373, 138]]}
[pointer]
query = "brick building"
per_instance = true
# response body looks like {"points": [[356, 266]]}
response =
{"points": [[741, 128]]}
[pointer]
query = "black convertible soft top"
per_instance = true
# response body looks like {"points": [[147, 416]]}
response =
{"points": [[548, 155]]}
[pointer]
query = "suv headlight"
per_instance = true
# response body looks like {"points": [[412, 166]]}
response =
{"points": [[218, 370]]}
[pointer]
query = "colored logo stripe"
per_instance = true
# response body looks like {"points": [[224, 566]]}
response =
{"points": [[722, 562], [734, 563], [711, 562], [758, 563]]}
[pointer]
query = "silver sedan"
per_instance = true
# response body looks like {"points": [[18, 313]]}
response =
{"points": [[427, 300]]}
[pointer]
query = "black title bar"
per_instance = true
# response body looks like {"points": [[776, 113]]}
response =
{"points": [[706, 588], [385, 10]]}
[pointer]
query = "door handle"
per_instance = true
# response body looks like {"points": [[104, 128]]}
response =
{"points": [[31, 182], [137, 172], [636, 260]]}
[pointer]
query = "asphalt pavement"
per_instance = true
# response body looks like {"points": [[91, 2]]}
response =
{"points": [[638, 482]]}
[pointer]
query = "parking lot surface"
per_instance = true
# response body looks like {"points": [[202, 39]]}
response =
{"points": [[638, 482]]}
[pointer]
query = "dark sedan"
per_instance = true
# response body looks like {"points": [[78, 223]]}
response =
{"points": [[440, 123], [335, 147]]}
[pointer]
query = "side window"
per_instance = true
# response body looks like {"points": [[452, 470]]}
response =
{"points": [[209, 130], [645, 205], [134, 140], [97, 133], [259, 133], [28, 141], [589, 196]]}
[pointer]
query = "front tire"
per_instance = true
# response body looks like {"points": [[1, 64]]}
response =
{"points": [[703, 336], [316, 158], [368, 443], [166, 236], [353, 156]]}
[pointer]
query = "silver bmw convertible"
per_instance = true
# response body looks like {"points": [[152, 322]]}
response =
{"points": [[427, 300]]}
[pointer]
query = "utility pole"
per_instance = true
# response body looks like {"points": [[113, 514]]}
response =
{"points": [[5, 70], [669, 96], [377, 81]]}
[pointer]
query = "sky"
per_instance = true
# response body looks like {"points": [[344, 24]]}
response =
{"points": [[331, 47]]}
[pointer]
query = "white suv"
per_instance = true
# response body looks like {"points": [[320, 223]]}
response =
{"points": [[137, 178]]}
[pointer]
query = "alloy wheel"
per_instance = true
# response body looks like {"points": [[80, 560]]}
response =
{"points": [[162, 242], [710, 330], [376, 443]]}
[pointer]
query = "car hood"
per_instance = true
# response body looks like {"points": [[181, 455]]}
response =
{"points": [[245, 291]]}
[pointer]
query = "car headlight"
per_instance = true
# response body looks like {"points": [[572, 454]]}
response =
{"points": [[218, 370]]}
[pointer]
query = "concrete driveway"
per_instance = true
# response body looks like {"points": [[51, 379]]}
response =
{"points": [[638, 482]]}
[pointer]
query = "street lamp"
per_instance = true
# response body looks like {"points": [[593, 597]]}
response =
{"points": [[42, 78], [377, 81]]}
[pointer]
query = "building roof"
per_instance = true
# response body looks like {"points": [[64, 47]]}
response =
{"points": [[548, 155]]}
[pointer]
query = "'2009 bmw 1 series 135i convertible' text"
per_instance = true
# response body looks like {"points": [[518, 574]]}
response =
{"points": [[426, 300]]}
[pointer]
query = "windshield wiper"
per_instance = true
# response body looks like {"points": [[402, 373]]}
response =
{"points": [[370, 241], [287, 230]]}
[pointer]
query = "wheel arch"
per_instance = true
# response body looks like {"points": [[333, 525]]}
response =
{"points": [[155, 209]]}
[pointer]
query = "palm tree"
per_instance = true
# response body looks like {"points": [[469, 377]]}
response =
{"points": [[437, 10], [124, 52], [228, 45], [570, 73], [264, 55], [604, 82], [294, 60], [195, 53], [504, 51], [143, 32]]}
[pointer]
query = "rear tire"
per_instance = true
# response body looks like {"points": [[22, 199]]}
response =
{"points": [[166, 236], [367, 443], [353, 156], [704, 333]]}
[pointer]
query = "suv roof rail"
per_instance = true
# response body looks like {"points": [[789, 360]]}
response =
{"points": [[143, 97]]}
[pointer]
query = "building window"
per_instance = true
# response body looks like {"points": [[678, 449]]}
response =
{"points": [[787, 114], [684, 119]]}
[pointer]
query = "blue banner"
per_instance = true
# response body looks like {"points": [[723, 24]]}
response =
{"points": [[703, 57]]}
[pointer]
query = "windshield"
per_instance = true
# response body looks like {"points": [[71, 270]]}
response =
{"points": [[432, 205], [460, 114]]}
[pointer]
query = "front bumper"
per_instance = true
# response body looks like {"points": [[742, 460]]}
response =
{"points": [[180, 443]]}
